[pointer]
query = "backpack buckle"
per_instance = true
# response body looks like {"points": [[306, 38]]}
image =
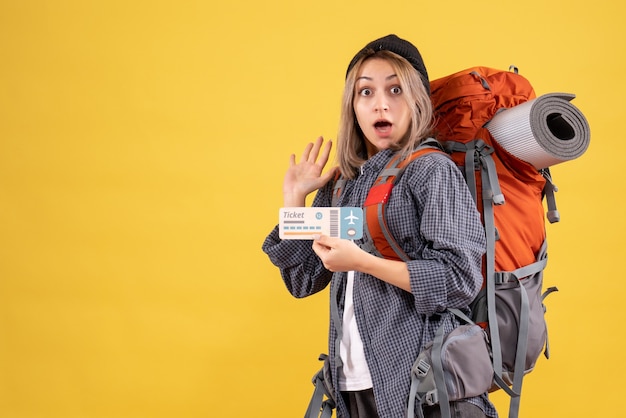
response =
{"points": [[431, 398], [421, 369]]}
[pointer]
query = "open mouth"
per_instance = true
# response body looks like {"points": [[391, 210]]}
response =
{"points": [[382, 126]]}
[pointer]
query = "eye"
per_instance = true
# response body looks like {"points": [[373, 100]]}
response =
{"points": [[396, 90], [365, 92]]}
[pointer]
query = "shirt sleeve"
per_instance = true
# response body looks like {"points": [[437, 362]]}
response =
{"points": [[448, 270], [302, 271]]}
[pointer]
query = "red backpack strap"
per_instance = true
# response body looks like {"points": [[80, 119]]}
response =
{"points": [[378, 239]]}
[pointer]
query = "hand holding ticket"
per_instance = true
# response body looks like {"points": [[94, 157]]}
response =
{"points": [[306, 222]]}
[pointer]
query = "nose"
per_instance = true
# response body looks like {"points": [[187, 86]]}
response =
{"points": [[381, 104]]}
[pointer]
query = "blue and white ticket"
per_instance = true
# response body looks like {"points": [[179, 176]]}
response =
{"points": [[306, 222]]}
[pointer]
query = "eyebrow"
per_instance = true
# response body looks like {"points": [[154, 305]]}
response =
{"points": [[370, 78]]}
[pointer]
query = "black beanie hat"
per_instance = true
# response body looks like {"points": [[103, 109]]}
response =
{"points": [[399, 46]]}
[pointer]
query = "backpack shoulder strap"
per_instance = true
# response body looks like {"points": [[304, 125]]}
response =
{"points": [[323, 399], [340, 182], [378, 239]]}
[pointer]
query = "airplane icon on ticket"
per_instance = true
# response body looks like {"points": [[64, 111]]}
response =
{"points": [[351, 218]]}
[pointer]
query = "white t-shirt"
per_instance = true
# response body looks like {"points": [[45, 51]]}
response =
{"points": [[354, 375]]}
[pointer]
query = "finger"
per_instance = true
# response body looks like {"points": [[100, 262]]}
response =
{"points": [[323, 157], [323, 240], [292, 160], [307, 152], [315, 150], [316, 247], [319, 249]]}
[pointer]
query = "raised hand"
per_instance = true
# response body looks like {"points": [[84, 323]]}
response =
{"points": [[307, 175]]}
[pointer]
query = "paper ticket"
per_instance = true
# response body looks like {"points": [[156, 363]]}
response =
{"points": [[306, 222]]}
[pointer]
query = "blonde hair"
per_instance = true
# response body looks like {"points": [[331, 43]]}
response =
{"points": [[351, 152]]}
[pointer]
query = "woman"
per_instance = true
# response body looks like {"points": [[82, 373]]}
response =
{"points": [[386, 310]]}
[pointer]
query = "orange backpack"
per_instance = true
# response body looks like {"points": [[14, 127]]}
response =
{"points": [[509, 194], [464, 103]]}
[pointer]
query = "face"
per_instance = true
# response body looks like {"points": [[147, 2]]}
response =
{"points": [[381, 110]]}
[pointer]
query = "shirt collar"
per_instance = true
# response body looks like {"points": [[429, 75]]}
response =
{"points": [[378, 161]]}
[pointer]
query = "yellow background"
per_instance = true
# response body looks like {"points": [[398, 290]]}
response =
{"points": [[142, 148]]}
